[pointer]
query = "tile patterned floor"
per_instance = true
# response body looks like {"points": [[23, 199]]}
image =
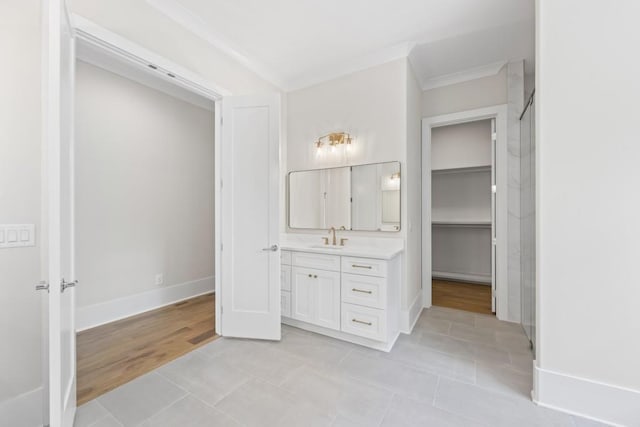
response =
{"points": [[455, 369]]}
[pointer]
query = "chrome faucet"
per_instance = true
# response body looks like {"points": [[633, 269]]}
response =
{"points": [[332, 230]]}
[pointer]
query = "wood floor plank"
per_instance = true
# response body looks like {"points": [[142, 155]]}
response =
{"points": [[114, 354], [462, 296]]}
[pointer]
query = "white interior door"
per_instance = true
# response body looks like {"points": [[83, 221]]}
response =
{"points": [[494, 239], [59, 84], [250, 273]]}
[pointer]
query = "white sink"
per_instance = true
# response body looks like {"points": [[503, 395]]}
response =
{"points": [[335, 248]]}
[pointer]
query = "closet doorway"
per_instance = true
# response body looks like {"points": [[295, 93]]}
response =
{"points": [[464, 211]]}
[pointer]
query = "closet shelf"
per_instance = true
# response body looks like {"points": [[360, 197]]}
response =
{"points": [[463, 223], [470, 169]]}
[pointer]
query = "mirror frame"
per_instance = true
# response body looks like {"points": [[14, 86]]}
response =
{"points": [[288, 201]]}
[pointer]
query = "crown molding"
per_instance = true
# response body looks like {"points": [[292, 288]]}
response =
{"points": [[187, 19], [464, 76], [345, 67]]}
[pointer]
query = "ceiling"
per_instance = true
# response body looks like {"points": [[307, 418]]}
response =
{"points": [[297, 43]]}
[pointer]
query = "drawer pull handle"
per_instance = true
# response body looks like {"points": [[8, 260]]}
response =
{"points": [[360, 321], [360, 290], [361, 266], [314, 276]]}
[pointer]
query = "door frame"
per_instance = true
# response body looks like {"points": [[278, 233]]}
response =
{"points": [[499, 113], [87, 31]]}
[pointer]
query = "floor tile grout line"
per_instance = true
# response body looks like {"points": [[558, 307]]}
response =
{"points": [[108, 412], [219, 409]]}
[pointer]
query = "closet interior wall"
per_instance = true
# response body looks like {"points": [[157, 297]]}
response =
{"points": [[461, 202]]}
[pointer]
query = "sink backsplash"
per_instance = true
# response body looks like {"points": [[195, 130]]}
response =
{"points": [[355, 241]]}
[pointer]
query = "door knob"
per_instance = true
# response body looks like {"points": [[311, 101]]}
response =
{"points": [[64, 285], [271, 248]]}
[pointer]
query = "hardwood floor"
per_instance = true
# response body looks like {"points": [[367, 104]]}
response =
{"points": [[114, 354], [462, 296]]}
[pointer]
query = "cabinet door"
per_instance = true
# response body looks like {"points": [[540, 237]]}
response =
{"points": [[327, 301], [302, 294]]}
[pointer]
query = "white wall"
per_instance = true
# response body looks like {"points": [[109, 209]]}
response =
{"points": [[461, 145], [20, 184], [483, 92], [372, 106], [588, 202], [144, 188], [413, 178]]}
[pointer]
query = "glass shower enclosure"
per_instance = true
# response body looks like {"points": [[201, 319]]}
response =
{"points": [[528, 220]]}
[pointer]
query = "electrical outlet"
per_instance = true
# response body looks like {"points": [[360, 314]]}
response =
{"points": [[159, 279]]}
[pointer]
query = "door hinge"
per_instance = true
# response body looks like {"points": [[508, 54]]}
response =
{"points": [[494, 136], [221, 309], [221, 120], [221, 246], [494, 189], [494, 241]]}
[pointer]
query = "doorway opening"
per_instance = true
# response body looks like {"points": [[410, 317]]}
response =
{"points": [[144, 211], [464, 211]]}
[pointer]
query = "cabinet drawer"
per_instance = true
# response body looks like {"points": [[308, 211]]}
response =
{"points": [[285, 303], [364, 290], [285, 277], [364, 321], [319, 261], [285, 257], [366, 266]]}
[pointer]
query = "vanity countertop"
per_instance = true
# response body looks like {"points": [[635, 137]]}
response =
{"points": [[378, 252]]}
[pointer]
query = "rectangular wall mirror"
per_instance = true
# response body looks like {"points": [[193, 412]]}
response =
{"points": [[359, 198]]}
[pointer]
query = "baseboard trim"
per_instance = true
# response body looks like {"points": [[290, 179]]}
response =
{"points": [[366, 342], [99, 314], [463, 277], [586, 398], [23, 410], [408, 318]]}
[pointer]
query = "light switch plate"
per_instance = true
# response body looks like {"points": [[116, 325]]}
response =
{"points": [[17, 235]]}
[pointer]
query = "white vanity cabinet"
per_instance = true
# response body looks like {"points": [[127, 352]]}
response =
{"points": [[316, 297], [354, 298]]}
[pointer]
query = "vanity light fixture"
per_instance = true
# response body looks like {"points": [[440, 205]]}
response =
{"points": [[333, 140]]}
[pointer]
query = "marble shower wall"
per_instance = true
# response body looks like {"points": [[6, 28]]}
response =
{"points": [[515, 105]]}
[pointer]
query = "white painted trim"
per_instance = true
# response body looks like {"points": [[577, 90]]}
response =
{"points": [[91, 33], [499, 112], [586, 398], [218, 213], [475, 278], [106, 312], [23, 410], [408, 318], [464, 76], [366, 342]]}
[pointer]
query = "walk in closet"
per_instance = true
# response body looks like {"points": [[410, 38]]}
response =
{"points": [[462, 208]]}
